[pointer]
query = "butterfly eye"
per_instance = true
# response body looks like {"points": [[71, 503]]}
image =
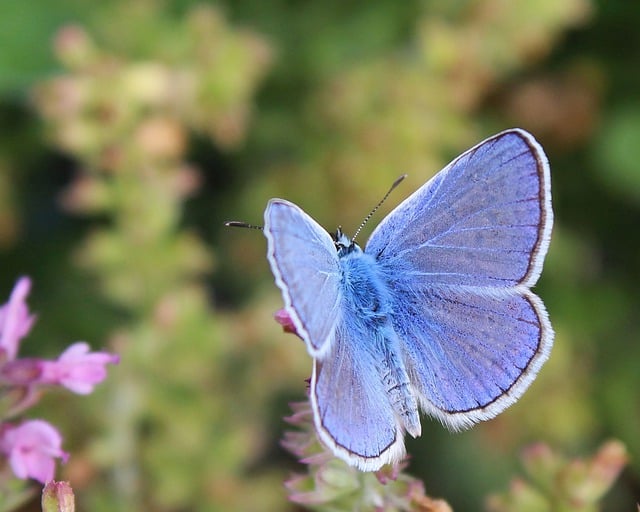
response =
{"points": [[340, 240], [344, 245]]}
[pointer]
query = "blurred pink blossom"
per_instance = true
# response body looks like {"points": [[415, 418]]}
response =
{"points": [[284, 319], [32, 448], [15, 320], [21, 372], [77, 369]]}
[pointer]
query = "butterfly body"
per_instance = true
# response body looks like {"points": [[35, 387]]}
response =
{"points": [[365, 287], [368, 289], [435, 313]]}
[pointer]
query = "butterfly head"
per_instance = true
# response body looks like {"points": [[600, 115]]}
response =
{"points": [[344, 244]]}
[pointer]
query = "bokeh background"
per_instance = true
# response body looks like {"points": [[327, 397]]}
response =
{"points": [[130, 130]]}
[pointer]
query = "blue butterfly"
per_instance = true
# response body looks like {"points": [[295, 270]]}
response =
{"points": [[435, 313]]}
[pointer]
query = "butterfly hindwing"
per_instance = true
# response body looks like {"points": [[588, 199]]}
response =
{"points": [[470, 356], [305, 264]]}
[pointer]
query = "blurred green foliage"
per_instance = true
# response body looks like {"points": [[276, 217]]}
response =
{"points": [[554, 483], [131, 130]]}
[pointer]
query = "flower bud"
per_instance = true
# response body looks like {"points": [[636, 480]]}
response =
{"points": [[58, 497]]}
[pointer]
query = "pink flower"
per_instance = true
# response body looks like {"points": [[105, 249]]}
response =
{"points": [[32, 448], [21, 372], [15, 321], [284, 319], [78, 369]]}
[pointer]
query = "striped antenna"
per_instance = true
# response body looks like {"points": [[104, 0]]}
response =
{"points": [[240, 224], [366, 219]]}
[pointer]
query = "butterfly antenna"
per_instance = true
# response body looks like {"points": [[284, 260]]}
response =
{"points": [[240, 224], [366, 219]]}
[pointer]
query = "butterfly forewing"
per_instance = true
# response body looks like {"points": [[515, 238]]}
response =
{"points": [[483, 221], [304, 261]]}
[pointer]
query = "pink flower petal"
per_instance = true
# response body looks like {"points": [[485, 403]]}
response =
{"points": [[284, 319], [15, 321], [32, 448], [77, 369]]}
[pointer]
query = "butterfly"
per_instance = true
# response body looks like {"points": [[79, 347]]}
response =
{"points": [[436, 313]]}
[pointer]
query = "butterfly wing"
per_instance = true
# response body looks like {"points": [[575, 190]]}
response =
{"points": [[305, 264], [484, 220], [470, 356], [465, 248], [352, 413]]}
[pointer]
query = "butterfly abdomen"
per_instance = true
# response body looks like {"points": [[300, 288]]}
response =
{"points": [[370, 303]]}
